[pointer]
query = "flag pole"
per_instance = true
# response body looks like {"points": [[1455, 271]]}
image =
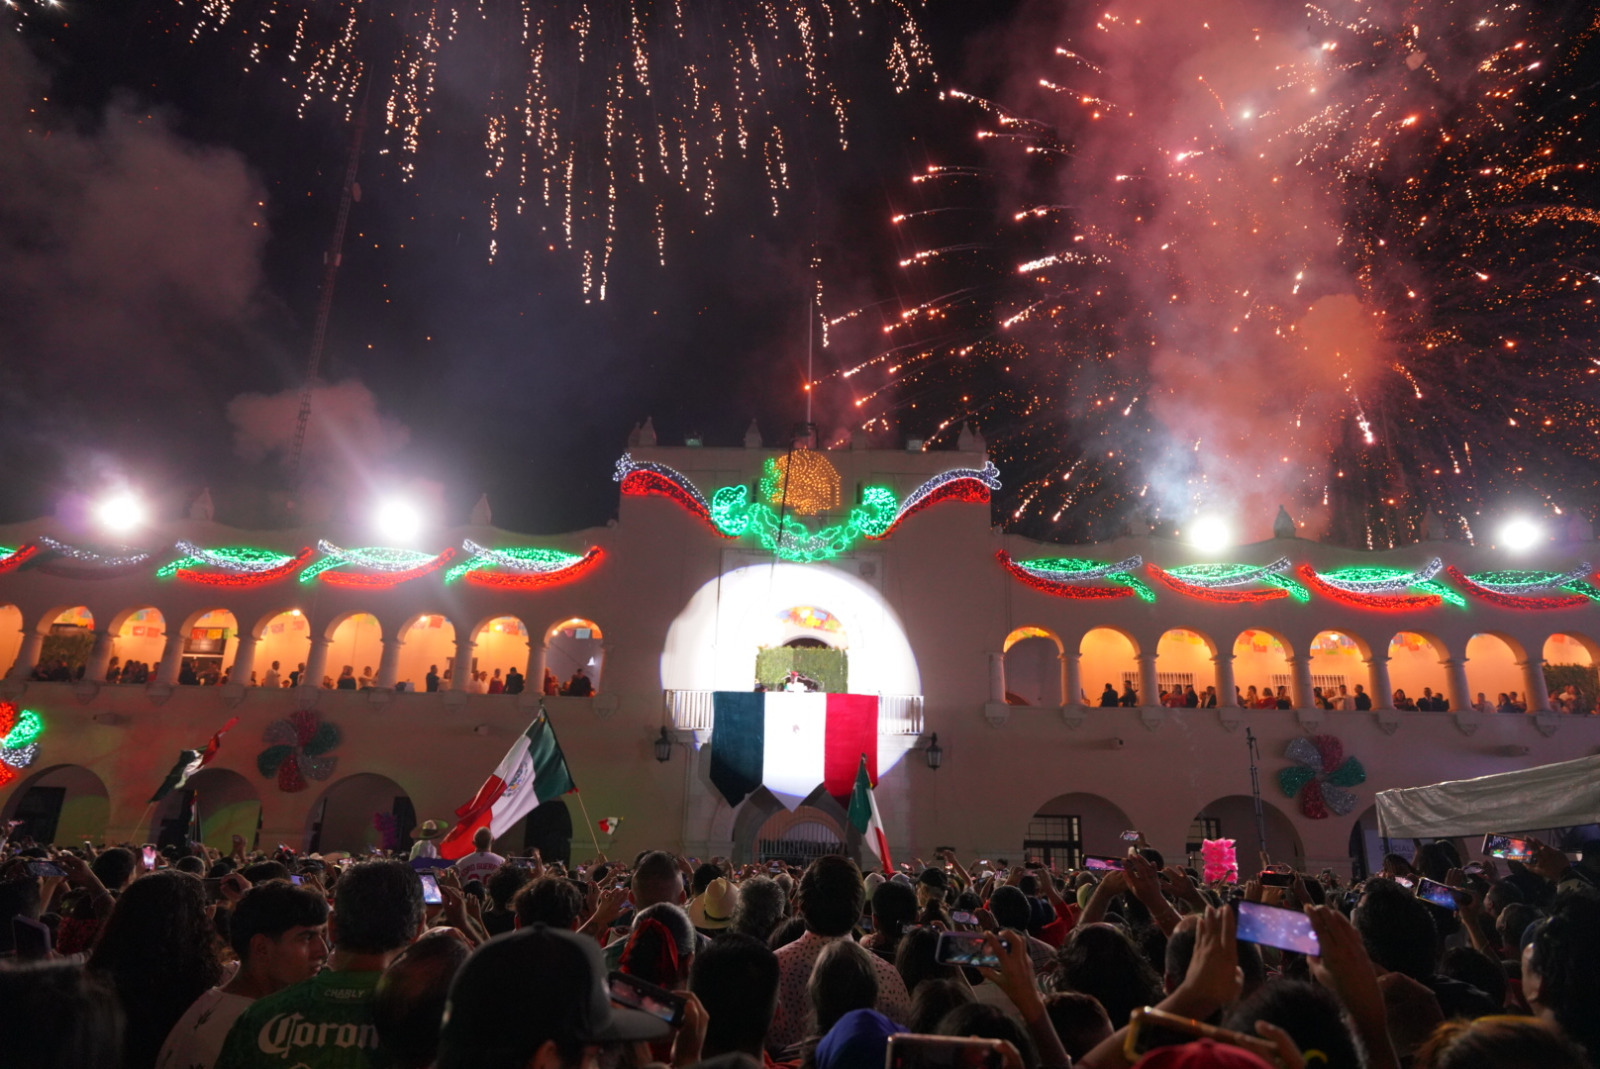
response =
{"points": [[593, 836]]}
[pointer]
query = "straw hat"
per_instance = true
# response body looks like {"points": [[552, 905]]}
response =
{"points": [[430, 829], [713, 909]]}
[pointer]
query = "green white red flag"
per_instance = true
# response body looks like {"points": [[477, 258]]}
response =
{"points": [[533, 772], [864, 817]]}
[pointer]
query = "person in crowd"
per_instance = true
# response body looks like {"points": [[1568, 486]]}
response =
{"points": [[367, 680], [114, 671], [327, 1021], [843, 979], [1108, 697], [656, 879], [894, 909], [537, 997], [1283, 700], [831, 899], [514, 680], [1400, 934], [271, 677], [1191, 698], [1561, 966], [157, 952], [552, 685], [408, 1006], [660, 947], [1079, 1020], [1362, 702], [579, 686], [298, 675], [1343, 702], [279, 933], [548, 900], [496, 684], [1100, 960], [482, 862], [430, 682], [711, 911], [59, 1015], [736, 980], [761, 908], [1499, 1043], [1503, 703], [347, 678], [502, 887], [1210, 700], [1130, 697]]}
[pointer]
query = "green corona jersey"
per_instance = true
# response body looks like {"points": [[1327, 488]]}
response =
{"points": [[322, 1023]]}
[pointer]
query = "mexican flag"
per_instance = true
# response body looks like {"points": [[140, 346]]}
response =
{"points": [[189, 762], [791, 743], [531, 773], [865, 819]]}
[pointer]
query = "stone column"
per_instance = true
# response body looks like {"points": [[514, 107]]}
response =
{"points": [[1300, 676], [997, 677], [1149, 689], [1534, 688], [316, 660], [1378, 682], [171, 658], [244, 660], [1071, 680], [27, 655], [1456, 684], [99, 657], [1227, 692], [389, 664], [461, 671]]}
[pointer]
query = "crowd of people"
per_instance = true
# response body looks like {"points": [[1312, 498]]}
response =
{"points": [[196, 671], [1568, 700], [190, 959]]}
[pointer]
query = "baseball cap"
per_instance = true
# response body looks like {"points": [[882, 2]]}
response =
{"points": [[525, 987]]}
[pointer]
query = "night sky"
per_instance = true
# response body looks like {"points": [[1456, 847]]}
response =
{"points": [[498, 379]]}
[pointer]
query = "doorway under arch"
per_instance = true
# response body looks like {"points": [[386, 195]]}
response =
{"points": [[547, 829], [428, 641], [355, 641], [1416, 666], [1233, 817], [1033, 667], [210, 640], [1493, 668], [1261, 664], [1109, 658], [62, 804], [359, 811], [1071, 825], [68, 639], [284, 637], [138, 635], [1183, 660], [572, 645]]}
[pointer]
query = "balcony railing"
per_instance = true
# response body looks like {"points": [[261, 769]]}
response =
{"points": [[691, 710]]}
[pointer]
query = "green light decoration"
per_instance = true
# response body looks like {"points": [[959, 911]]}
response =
{"points": [[1521, 583], [1391, 580], [377, 558], [735, 515], [1078, 570], [232, 559], [528, 560], [29, 727], [1231, 575]]}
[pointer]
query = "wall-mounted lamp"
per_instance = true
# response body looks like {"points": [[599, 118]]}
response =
{"points": [[935, 752], [663, 745]]}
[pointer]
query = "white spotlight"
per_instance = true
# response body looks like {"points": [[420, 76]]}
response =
{"points": [[121, 512], [397, 520], [1210, 533], [1520, 533]]}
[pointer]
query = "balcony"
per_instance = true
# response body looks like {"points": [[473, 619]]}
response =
{"points": [[691, 710]]}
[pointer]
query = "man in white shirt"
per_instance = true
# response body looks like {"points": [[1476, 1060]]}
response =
{"points": [[425, 836], [272, 677], [481, 864], [280, 933]]}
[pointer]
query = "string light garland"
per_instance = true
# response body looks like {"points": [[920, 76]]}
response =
{"points": [[528, 580], [1358, 600], [641, 478], [234, 566], [1221, 576], [803, 482], [1376, 580], [735, 516], [1068, 577], [1519, 582], [19, 739], [89, 556], [1216, 594], [530, 561], [1514, 601], [14, 557], [971, 485], [382, 566]]}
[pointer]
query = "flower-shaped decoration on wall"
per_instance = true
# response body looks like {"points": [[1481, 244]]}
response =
{"points": [[297, 747], [1320, 776]]}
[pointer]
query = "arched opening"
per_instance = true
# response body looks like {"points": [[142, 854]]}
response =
{"points": [[1033, 667], [1261, 670], [139, 638], [800, 837], [1109, 666], [283, 643], [68, 639], [574, 654], [355, 648], [808, 640], [1338, 666], [10, 636], [1069, 826], [63, 804], [1234, 817], [1416, 673], [219, 803], [548, 829], [1184, 669], [429, 646], [501, 645], [359, 811], [1569, 661], [1493, 671], [210, 640]]}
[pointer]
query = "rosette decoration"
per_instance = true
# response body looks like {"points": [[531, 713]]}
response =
{"points": [[232, 566], [520, 568], [376, 566], [643, 478], [1383, 588], [1221, 860], [19, 739], [1529, 590], [1320, 775], [297, 747], [957, 484], [14, 556], [76, 562], [1070, 577], [1223, 583]]}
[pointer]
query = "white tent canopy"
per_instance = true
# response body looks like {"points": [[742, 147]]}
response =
{"points": [[1549, 796]]}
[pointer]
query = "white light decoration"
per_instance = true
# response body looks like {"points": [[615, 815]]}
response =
{"points": [[121, 512], [397, 520], [1520, 533], [1210, 533]]}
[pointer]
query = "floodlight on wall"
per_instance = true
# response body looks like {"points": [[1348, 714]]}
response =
{"points": [[935, 752], [663, 745], [121, 512], [1210, 533], [397, 520], [1520, 533]]}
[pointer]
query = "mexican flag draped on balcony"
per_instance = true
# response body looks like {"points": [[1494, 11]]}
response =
{"points": [[532, 772], [790, 743]]}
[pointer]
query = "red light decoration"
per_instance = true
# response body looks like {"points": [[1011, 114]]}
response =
{"points": [[531, 580], [642, 482], [1058, 589], [966, 489], [384, 580], [1216, 595], [17, 556], [239, 580], [1383, 602], [1514, 601]]}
